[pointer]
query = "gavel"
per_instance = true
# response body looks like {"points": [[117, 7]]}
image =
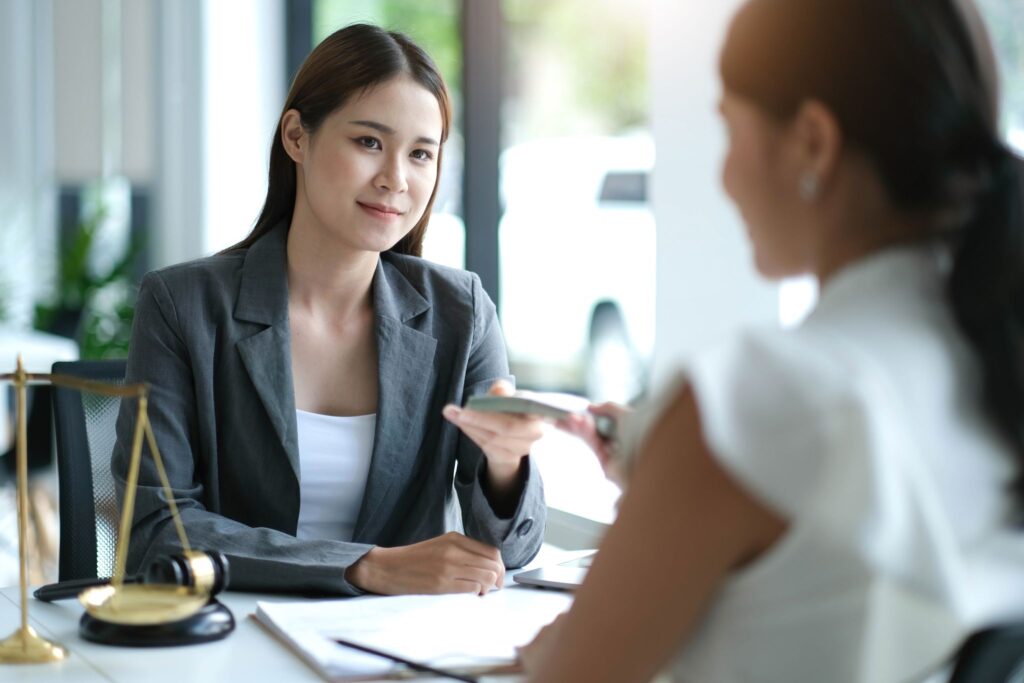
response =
{"points": [[202, 570]]}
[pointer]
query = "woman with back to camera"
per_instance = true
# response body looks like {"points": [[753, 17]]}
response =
{"points": [[839, 502], [298, 378]]}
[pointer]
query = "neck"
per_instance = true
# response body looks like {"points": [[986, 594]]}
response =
{"points": [[326, 275], [859, 221]]}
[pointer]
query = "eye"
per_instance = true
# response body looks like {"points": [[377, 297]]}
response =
{"points": [[368, 142], [422, 155]]}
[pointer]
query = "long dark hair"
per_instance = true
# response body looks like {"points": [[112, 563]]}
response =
{"points": [[346, 64], [913, 86]]}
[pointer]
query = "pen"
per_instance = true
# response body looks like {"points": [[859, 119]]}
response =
{"points": [[70, 589], [408, 662]]}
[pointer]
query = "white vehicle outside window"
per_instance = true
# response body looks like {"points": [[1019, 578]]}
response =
{"points": [[577, 281]]}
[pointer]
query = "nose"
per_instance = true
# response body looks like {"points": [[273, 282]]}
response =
{"points": [[392, 175]]}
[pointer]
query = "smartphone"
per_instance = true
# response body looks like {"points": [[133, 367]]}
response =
{"points": [[535, 404]]}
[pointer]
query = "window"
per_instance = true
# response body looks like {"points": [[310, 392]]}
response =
{"points": [[434, 26], [577, 238], [1005, 21], [577, 234]]}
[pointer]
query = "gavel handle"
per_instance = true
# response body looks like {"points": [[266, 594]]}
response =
{"points": [[63, 590]]}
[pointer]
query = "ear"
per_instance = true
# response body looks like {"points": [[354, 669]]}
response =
{"points": [[818, 139], [294, 136]]}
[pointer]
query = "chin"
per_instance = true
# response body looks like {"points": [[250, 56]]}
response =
{"points": [[382, 243]]}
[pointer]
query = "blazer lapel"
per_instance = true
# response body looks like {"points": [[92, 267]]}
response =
{"points": [[405, 358], [266, 355]]}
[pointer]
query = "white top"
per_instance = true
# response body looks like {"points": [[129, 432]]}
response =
{"points": [[863, 428], [334, 463]]}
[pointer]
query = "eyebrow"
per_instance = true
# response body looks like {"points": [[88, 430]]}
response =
{"points": [[388, 130]]}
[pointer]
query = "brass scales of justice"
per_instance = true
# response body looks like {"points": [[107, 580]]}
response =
{"points": [[117, 612]]}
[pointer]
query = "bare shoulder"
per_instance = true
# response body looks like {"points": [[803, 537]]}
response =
{"points": [[677, 464]]}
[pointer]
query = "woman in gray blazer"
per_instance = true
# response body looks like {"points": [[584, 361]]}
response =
{"points": [[322, 344]]}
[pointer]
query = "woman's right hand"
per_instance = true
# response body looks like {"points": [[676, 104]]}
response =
{"points": [[452, 563], [583, 426]]}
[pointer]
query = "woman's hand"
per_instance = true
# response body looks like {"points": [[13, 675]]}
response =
{"points": [[582, 425], [505, 439], [534, 652], [451, 563]]}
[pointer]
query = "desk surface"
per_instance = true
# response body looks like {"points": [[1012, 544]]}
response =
{"points": [[249, 654]]}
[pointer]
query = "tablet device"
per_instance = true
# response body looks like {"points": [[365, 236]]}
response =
{"points": [[564, 576]]}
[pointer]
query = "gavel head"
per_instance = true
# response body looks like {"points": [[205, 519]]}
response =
{"points": [[203, 570]]}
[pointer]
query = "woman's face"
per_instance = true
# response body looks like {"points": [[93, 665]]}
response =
{"points": [[761, 176], [368, 172]]}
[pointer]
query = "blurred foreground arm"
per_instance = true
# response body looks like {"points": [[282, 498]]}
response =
{"points": [[683, 525]]}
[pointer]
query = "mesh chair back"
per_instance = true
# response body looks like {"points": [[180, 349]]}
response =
{"points": [[995, 655], [85, 427]]}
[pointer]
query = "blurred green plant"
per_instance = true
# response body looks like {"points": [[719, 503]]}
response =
{"points": [[597, 48], [434, 25], [94, 308]]}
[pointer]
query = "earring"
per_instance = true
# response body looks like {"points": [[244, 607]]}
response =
{"points": [[809, 186]]}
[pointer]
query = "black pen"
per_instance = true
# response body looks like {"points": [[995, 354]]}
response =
{"points": [[408, 662], [63, 590]]}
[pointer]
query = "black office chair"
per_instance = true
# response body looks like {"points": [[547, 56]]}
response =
{"points": [[89, 514], [994, 655]]}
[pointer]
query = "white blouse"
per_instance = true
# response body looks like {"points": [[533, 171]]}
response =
{"points": [[863, 427], [334, 464]]}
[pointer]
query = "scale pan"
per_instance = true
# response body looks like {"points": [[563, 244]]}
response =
{"points": [[142, 604]]}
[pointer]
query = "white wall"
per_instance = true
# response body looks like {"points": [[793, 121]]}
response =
{"points": [[27, 233], [138, 90], [221, 75], [706, 284], [243, 93], [178, 197], [78, 69]]}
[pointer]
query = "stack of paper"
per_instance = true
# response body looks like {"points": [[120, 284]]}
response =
{"points": [[466, 633]]}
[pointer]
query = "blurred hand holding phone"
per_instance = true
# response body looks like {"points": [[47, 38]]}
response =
{"points": [[597, 425]]}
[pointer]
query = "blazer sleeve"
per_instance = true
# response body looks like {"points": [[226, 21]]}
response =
{"points": [[519, 537], [260, 558]]}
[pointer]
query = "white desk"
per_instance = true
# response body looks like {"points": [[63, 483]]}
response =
{"points": [[249, 654]]}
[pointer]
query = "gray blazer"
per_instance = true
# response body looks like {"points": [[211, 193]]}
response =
{"points": [[212, 338]]}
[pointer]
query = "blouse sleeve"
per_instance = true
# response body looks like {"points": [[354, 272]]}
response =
{"points": [[766, 406]]}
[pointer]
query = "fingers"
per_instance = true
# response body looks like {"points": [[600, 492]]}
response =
{"points": [[609, 409], [517, 426], [583, 426], [578, 425], [502, 438], [483, 580], [463, 586], [451, 563], [496, 444], [501, 388], [471, 545], [478, 556]]}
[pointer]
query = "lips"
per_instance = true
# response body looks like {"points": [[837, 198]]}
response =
{"points": [[380, 210]]}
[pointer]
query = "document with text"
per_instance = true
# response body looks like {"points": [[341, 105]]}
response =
{"points": [[460, 633]]}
